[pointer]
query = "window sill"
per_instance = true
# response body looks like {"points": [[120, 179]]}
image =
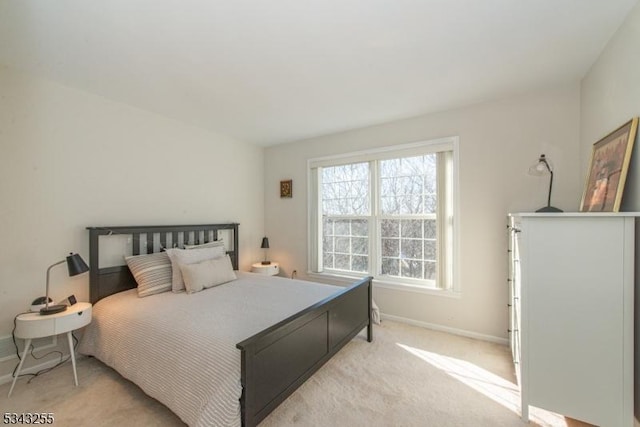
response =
{"points": [[346, 280]]}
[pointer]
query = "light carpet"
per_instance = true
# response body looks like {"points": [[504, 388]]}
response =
{"points": [[409, 376]]}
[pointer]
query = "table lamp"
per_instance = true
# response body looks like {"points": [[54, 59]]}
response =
{"points": [[265, 245], [540, 168], [75, 266]]}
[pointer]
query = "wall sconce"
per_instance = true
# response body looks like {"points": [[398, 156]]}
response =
{"points": [[540, 168]]}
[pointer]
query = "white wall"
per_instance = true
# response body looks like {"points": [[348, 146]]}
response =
{"points": [[611, 97], [498, 143], [69, 159]]}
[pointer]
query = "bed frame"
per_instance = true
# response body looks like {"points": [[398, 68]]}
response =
{"points": [[276, 361]]}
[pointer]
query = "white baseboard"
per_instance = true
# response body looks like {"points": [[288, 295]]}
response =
{"points": [[447, 329], [33, 369], [8, 351]]}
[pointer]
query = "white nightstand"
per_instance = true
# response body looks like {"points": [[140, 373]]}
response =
{"points": [[35, 325], [268, 270]]}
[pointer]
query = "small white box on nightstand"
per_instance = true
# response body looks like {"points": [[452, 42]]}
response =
{"points": [[267, 269]]}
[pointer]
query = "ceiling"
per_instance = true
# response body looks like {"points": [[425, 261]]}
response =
{"points": [[277, 71]]}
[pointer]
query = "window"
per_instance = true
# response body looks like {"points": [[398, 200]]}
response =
{"points": [[388, 213], [346, 208]]}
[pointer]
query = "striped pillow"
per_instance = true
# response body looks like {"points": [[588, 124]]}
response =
{"points": [[152, 273]]}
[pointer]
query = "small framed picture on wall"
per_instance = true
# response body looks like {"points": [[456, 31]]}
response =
{"points": [[608, 170], [286, 189]]}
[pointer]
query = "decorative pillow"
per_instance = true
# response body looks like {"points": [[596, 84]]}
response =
{"points": [[152, 273], [189, 256], [213, 244], [206, 274]]}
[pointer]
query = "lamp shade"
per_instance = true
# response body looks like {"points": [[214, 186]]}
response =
{"points": [[76, 265], [265, 243], [541, 167]]}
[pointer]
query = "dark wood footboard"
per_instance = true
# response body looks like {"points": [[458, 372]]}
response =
{"points": [[276, 361]]}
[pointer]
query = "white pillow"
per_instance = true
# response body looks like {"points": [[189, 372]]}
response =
{"points": [[206, 245], [206, 274], [189, 256]]}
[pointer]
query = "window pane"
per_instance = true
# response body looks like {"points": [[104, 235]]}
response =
{"points": [[359, 227], [327, 243], [407, 250], [408, 185], [360, 263], [345, 189], [390, 205], [390, 248], [411, 228], [411, 269], [430, 250], [342, 228], [345, 244], [390, 266], [430, 185], [360, 246], [342, 262], [342, 245], [430, 228], [390, 228], [430, 203], [327, 260], [430, 270], [414, 203], [411, 248]]}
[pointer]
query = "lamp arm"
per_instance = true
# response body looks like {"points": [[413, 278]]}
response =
{"points": [[543, 159], [550, 187], [48, 270]]}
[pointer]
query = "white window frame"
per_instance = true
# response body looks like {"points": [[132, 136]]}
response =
{"points": [[391, 152]]}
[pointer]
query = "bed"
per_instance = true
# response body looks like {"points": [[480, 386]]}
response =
{"points": [[274, 354]]}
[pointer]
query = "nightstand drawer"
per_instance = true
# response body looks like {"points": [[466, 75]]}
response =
{"points": [[73, 321], [267, 269], [35, 325], [29, 327]]}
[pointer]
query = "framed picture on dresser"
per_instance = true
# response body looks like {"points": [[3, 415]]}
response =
{"points": [[608, 169]]}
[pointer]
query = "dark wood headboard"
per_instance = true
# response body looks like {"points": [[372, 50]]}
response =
{"points": [[110, 280]]}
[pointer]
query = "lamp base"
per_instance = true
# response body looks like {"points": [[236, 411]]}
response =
{"points": [[266, 263], [39, 303], [53, 309], [549, 209]]}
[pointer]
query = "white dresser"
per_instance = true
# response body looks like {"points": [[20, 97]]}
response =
{"points": [[571, 281]]}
